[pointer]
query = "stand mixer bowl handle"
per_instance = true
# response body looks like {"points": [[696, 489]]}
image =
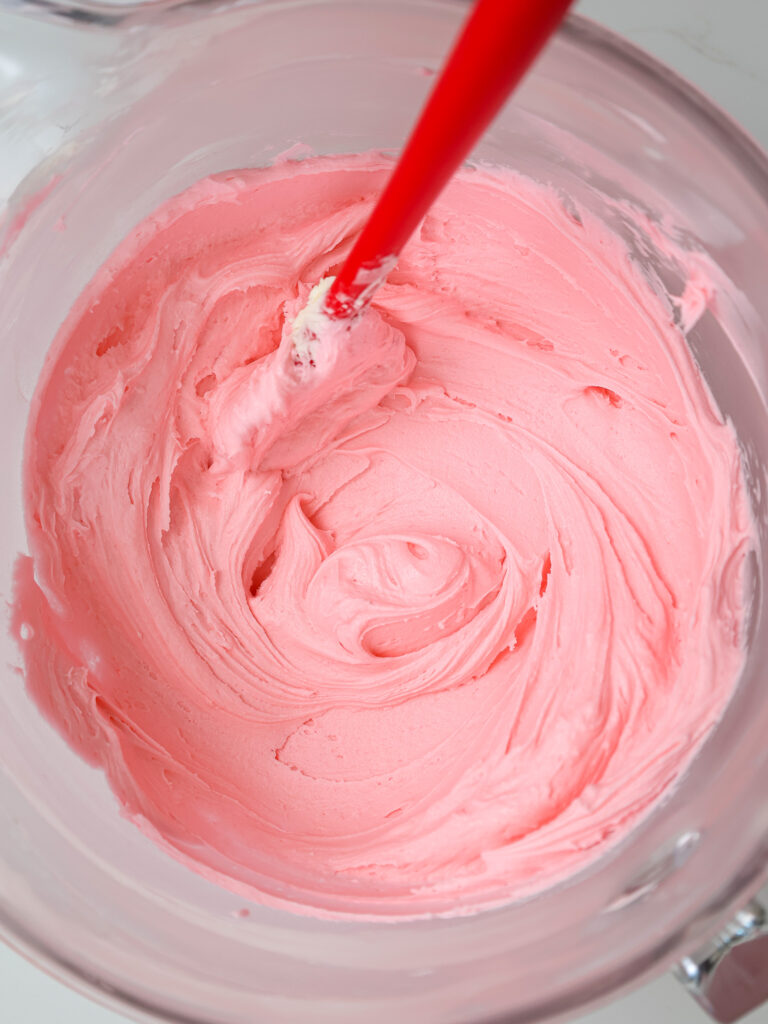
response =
{"points": [[728, 976]]}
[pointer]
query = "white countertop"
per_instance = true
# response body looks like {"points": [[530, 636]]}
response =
{"points": [[720, 46]]}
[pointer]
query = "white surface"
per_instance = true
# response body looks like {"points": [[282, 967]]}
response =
{"points": [[720, 46]]}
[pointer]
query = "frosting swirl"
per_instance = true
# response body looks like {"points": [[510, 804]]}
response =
{"points": [[421, 625]]}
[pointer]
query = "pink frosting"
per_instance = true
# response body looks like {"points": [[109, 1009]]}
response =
{"points": [[420, 624]]}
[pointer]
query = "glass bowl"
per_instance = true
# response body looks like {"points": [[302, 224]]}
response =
{"points": [[106, 111]]}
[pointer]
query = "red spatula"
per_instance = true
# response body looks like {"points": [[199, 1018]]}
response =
{"points": [[498, 44]]}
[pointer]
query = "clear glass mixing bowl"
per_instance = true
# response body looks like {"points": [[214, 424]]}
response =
{"points": [[104, 112]]}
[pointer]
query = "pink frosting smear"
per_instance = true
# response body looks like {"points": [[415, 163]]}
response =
{"points": [[415, 620]]}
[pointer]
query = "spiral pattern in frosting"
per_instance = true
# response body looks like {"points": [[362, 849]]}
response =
{"points": [[423, 625]]}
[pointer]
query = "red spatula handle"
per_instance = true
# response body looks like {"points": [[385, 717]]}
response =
{"points": [[496, 47]]}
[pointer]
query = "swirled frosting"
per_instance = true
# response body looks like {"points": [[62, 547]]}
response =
{"points": [[419, 619]]}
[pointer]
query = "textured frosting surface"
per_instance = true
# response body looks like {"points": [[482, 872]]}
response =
{"points": [[421, 619]]}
